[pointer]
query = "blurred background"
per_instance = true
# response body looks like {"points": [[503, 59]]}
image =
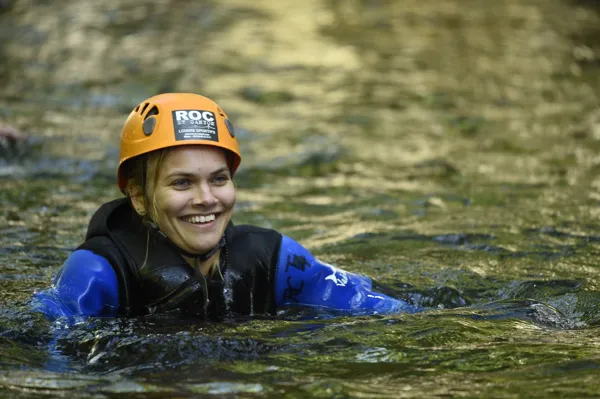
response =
{"points": [[448, 149]]}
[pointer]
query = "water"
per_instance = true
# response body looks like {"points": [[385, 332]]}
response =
{"points": [[447, 149]]}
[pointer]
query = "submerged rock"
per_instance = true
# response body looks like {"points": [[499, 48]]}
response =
{"points": [[9, 131], [10, 136], [13, 143]]}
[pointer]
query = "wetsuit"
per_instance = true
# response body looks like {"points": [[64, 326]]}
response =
{"points": [[125, 268]]}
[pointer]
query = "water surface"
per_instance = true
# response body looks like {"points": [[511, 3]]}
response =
{"points": [[446, 149]]}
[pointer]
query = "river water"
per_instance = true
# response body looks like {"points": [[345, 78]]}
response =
{"points": [[447, 149]]}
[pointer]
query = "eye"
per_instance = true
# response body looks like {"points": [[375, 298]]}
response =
{"points": [[181, 184], [220, 179]]}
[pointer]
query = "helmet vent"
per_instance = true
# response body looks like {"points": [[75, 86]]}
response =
{"points": [[144, 107], [230, 127], [153, 111], [148, 126], [137, 108]]}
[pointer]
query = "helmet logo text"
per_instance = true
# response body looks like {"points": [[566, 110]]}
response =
{"points": [[194, 116], [195, 124]]}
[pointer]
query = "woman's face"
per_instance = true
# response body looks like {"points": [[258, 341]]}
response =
{"points": [[193, 197]]}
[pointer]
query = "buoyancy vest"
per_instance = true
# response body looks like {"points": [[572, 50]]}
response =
{"points": [[154, 277]]}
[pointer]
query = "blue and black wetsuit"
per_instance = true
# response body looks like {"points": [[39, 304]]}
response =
{"points": [[125, 268]]}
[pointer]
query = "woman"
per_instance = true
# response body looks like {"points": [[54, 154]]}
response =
{"points": [[169, 244]]}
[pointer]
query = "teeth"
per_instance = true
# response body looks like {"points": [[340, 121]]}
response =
{"points": [[201, 219]]}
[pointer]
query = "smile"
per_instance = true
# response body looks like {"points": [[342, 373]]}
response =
{"points": [[198, 219]]}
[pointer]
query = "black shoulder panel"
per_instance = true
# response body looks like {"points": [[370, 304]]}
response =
{"points": [[98, 223], [253, 253], [101, 240]]}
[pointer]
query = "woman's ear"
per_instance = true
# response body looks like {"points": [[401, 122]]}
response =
{"points": [[138, 200]]}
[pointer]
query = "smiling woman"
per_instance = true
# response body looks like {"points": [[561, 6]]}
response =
{"points": [[170, 245], [192, 197]]}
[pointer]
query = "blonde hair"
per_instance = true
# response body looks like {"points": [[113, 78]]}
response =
{"points": [[142, 176]]}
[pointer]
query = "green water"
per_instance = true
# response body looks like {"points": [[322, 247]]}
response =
{"points": [[448, 149]]}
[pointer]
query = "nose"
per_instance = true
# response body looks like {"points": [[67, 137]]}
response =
{"points": [[204, 196]]}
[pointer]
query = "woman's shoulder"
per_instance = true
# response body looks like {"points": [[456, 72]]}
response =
{"points": [[113, 216], [252, 242], [106, 210]]}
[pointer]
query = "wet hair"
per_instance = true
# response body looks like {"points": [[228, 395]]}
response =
{"points": [[142, 176]]}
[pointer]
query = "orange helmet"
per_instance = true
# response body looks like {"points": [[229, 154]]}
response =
{"points": [[174, 119]]}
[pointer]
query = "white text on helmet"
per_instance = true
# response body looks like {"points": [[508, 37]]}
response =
{"points": [[194, 115]]}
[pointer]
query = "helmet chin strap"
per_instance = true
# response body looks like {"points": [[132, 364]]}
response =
{"points": [[198, 257], [204, 256]]}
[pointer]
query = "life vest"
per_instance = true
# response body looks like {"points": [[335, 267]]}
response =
{"points": [[154, 277]]}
